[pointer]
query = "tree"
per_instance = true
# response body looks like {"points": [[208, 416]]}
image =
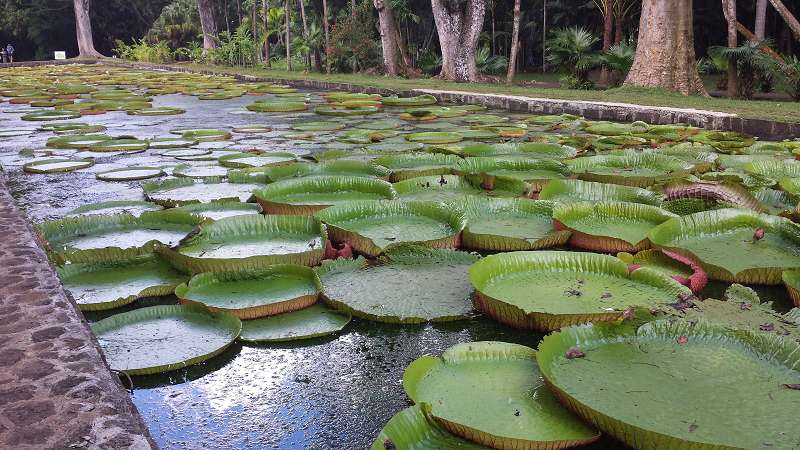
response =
{"points": [[288, 36], [305, 31], [208, 23], [729, 9], [458, 24], [606, 8], [790, 20], [326, 27], [265, 12], [512, 59], [83, 30], [665, 55], [395, 56], [761, 19]]}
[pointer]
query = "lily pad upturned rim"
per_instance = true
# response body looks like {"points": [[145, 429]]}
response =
{"points": [[559, 191], [494, 351], [414, 427], [248, 225], [482, 272], [229, 323], [113, 175], [662, 237], [569, 215], [79, 211], [388, 208], [151, 189], [67, 271], [183, 291], [78, 163], [584, 337], [473, 206], [321, 183], [305, 316]]}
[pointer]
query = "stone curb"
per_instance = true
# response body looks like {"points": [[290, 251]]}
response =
{"points": [[56, 390]]}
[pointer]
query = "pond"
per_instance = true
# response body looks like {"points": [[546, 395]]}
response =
{"points": [[338, 391]]}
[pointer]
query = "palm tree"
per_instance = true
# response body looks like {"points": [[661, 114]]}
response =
{"points": [[572, 50]]}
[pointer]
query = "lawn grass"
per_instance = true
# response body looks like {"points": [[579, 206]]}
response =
{"points": [[751, 109]]}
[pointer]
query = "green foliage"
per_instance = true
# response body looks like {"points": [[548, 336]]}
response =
{"points": [[142, 51], [751, 62], [490, 64], [178, 25], [572, 51], [789, 76], [234, 49], [353, 39], [619, 59]]}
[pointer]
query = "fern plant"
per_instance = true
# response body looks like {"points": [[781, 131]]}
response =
{"points": [[619, 59], [572, 51], [751, 61]]}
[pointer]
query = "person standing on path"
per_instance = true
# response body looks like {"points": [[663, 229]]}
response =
{"points": [[2, 54], [10, 53]]}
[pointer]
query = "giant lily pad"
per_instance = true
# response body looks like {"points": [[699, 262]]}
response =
{"points": [[420, 100], [537, 150], [250, 294], [251, 242], [312, 322], [108, 285], [240, 160], [221, 209], [342, 167], [184, 191], [408, 285], [496, 224], [119, 236], [405, 166], [164, 338], [132, 207], [447, 188], [56, 165], [435, 137], [413, 428], [372, 227], [610, 227], [492, 393], [567, 191], [312, 194], [534, 171], [130, 174], [547, 290], [676, 384], [734, 245], [640, 170]]}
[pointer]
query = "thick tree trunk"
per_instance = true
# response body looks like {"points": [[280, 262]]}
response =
{"points": [[790, 20], [305, 32], [265, 8], [325, 27], [288, 36], [459, 26], [729, 9], [608, 35], [512, 57], [619, 29], [665, 54], [761, 19], [83, 29], [395, 60], [208, 23], [254, 30]]}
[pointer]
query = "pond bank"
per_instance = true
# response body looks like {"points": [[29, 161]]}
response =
{"points": [[56, 390]]}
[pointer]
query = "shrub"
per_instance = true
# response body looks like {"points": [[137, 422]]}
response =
{"points": [[572, 51]]}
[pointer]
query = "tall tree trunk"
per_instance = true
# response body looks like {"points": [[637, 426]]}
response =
{"points": [[353, 8], [729, 10], [207, 22], [226, 9], [459, 26], [325, 27], [619, 28], [305, 32], [761, 19], [265, 8], [395, 60], [288, 37], [512, 57], [254, 30], [494, 34], [608, 35], [83, 29], [665, 54], [790, 20], [239, 10]]}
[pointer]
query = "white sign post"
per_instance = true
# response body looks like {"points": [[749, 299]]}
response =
{"points": [[60, 55]]}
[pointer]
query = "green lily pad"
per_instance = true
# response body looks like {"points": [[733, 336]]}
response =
{"points": [[119, 236], [547, 290], [277, 106], [639, 170], [250, 242], [568, 191], [101, 286], [195, 171], [408, 285], [318, 126], [492, 394], [119, 145], [186, 152], [56, 165], [676, 384], [309, 195], [164, 338], [132, 207], [130, 174], [435, 137], [242, 160], [405, 166], [726, 244], [312, 322], [344, 111], [413, 428], [610, 227], [537, 150], [203, 135], [300, 170], [221, 209], [372, 227], [495, 224], [420, 100], [184, 191], [537, 172], [250, 294], [448, 188]]}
